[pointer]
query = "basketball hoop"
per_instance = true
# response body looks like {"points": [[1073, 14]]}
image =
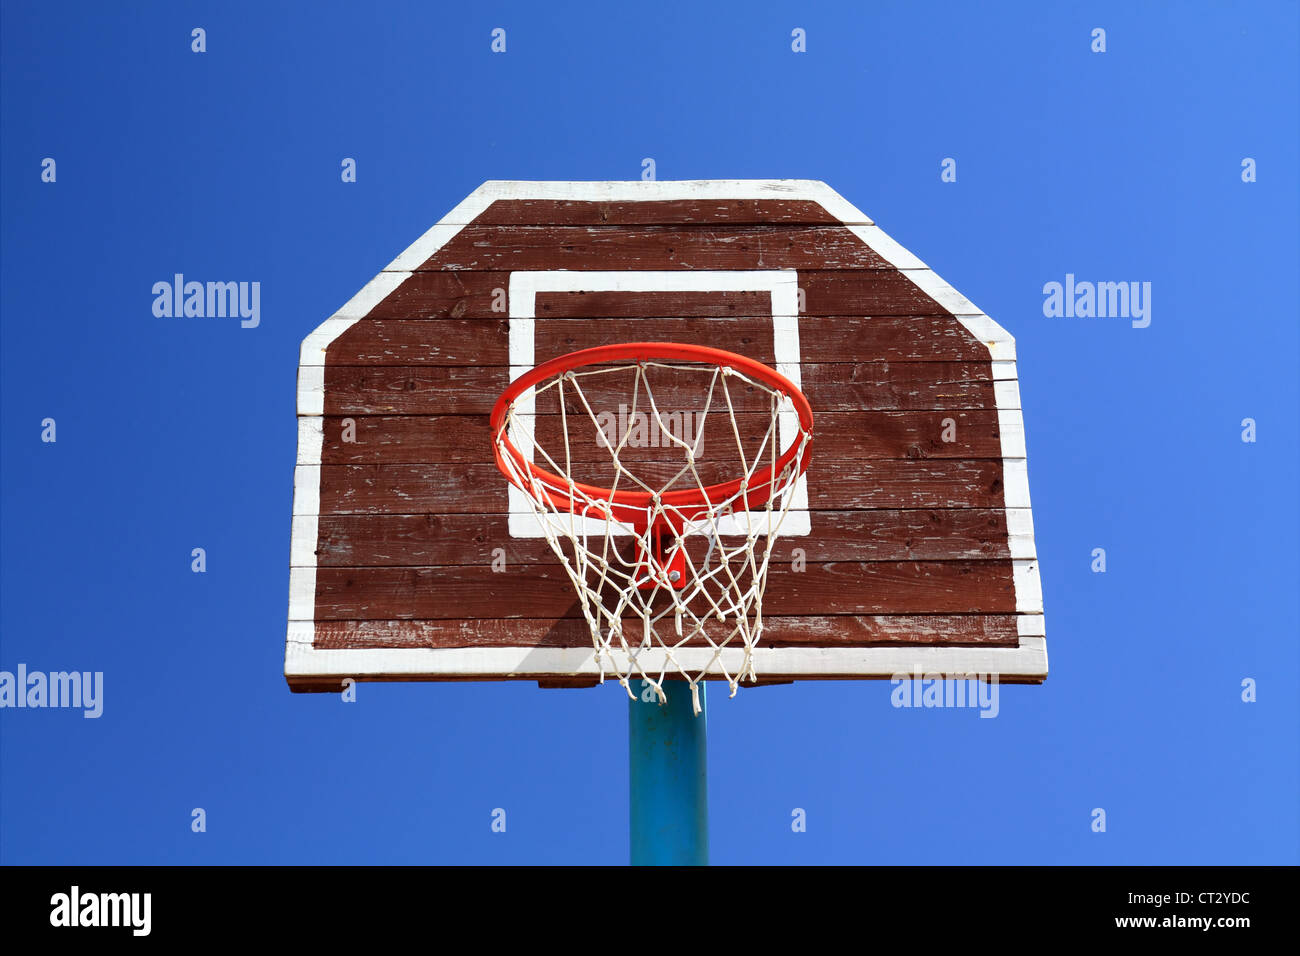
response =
{"points": [[695, 571]]}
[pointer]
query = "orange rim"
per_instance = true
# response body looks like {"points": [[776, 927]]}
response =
{"points": [[625, 505]]}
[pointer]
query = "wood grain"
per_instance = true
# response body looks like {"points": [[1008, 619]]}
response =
{"points": [[405, 540], [872, 386], [446, 295], [994, 630], [635, 305], [620, 248], [484, 294], [687, 212], [544, 590], [821, 339], [848, 436], [458, 488], [855, 292]]}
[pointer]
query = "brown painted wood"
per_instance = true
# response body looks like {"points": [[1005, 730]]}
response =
{"points": [[821, 339], [423, 541], [413, 390], [830, 388], [990, 630], [485, 295], [905, 386], [751, 336], [873, 386], [544, 590], [485, 247], [450, 540], [825, 292], [907, 484], [481, 489], [443, 342], [834, 291], [673, 386], [446, 295], [635, 305], [687, 212], [909, 542], [850, 436], [888, 339]]}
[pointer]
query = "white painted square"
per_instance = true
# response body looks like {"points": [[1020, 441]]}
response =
{"points": [[783, 285]]}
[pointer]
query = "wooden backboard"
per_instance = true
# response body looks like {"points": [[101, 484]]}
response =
{"points": [[911, 549]]}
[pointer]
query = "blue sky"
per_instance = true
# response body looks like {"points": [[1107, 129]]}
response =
{"points": [[1115, 166]]}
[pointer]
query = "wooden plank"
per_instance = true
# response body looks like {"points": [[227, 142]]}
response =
{"points": [[908, 484], [826, 292], [888, 339], [380, 540], [851, 436], [450, 540], [821, 339], [672, 387], [995, 630], [545, 591], [543, 248], [857, 292], [752, 336], [485, 295], [446, 295], [481, 489], [838, 436], [905, 386], [410, 390], [702, 212], [404, 439], [444, 389], [445, 342], [636, 305]]}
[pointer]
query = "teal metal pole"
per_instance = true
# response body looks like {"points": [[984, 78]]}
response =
{"points": [[668, 751]]}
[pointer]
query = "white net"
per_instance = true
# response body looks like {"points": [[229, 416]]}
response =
{"points": [[663, 509]]}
